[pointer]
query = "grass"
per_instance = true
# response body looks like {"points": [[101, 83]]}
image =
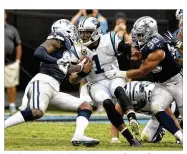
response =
{"points": [[56, 136]]}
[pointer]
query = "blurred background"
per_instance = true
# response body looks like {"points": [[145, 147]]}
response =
{"points": [[34, 27]]}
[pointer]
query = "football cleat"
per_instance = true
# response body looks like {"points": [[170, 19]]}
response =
{"points": [[159, 135], [135, 126], [86, 141], [135, 142]]}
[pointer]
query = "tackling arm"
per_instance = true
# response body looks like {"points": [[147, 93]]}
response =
{"points": [[147, 65], [44, 50]]}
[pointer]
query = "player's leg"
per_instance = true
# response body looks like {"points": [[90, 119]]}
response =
{"points": [[11, 81], [117, 90], [113, 129], [160, 100], [152, 132], [102, 95], [84, 109], [38, 95], [175, 88]]}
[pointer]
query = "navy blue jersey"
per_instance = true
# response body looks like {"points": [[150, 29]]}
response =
{"points": [[168, 67], [52, 69]]}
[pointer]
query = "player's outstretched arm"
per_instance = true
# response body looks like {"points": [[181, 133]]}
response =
{"points": [[44, 50]]}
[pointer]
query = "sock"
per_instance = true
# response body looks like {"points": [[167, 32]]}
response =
{"points": [[14, 120], [166, 121], [131, 115], [127, 134], [81, 124], [179, 135]]}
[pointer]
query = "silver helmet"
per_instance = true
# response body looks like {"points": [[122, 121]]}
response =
{"points": [[66, 28], [143, 29]]}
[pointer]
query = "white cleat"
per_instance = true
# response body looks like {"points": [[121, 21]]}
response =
{"points": [[86, 141], [135, 126]]}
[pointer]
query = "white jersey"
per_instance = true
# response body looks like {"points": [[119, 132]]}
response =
{"points": [[103, 57]]}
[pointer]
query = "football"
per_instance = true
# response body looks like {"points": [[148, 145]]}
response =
{"points": [[86, 58]]}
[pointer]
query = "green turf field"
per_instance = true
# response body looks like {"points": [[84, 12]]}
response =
{"points": [[57, 136]]}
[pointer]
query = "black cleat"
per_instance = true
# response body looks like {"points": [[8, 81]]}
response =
{"points": [[135, 142], [159, 135]]}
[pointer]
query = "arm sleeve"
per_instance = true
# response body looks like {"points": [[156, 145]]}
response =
{"points": [[41, 54]]}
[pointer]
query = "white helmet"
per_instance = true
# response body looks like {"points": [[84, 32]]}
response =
{"points": [[178, 14], [65, 27], [144, 29], [90, 24], [135, 91]]}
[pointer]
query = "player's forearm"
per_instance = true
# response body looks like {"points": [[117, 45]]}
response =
{"points": [[136, 74], [42, 54], [74, 68], [18, 52], [74, 78]]}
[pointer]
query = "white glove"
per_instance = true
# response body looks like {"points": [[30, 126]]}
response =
{"points": [[115, 73], [64, 63]]}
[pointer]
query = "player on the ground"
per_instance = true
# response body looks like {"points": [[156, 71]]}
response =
{"points": [[140, 93], [152, 49], [102, 49], [55, 55]]}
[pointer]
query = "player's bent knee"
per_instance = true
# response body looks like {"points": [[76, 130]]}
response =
{"points": [[101, 96], [155, 108], [108, 104], [37, 113], [85, 105]]}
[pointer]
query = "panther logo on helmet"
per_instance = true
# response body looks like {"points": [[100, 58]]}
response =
{"points": [[89, 30]]}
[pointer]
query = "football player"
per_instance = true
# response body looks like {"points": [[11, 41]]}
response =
{"points": [[102, 50], [55, 55], [152, 49], [140, 93]]}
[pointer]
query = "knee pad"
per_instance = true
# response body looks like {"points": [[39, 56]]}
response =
{"points": [[123, 99], [108, 104]]}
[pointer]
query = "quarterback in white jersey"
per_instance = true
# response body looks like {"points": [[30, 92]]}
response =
{"points": [[102, 50]]}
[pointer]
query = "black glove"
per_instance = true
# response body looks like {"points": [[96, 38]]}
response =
{"points": [[170, 39]]}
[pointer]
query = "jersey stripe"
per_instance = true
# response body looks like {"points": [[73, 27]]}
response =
{"points": [[112, 37]]}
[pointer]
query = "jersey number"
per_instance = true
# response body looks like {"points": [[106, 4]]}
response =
{"points": [[152, 43], [99, 69]]}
